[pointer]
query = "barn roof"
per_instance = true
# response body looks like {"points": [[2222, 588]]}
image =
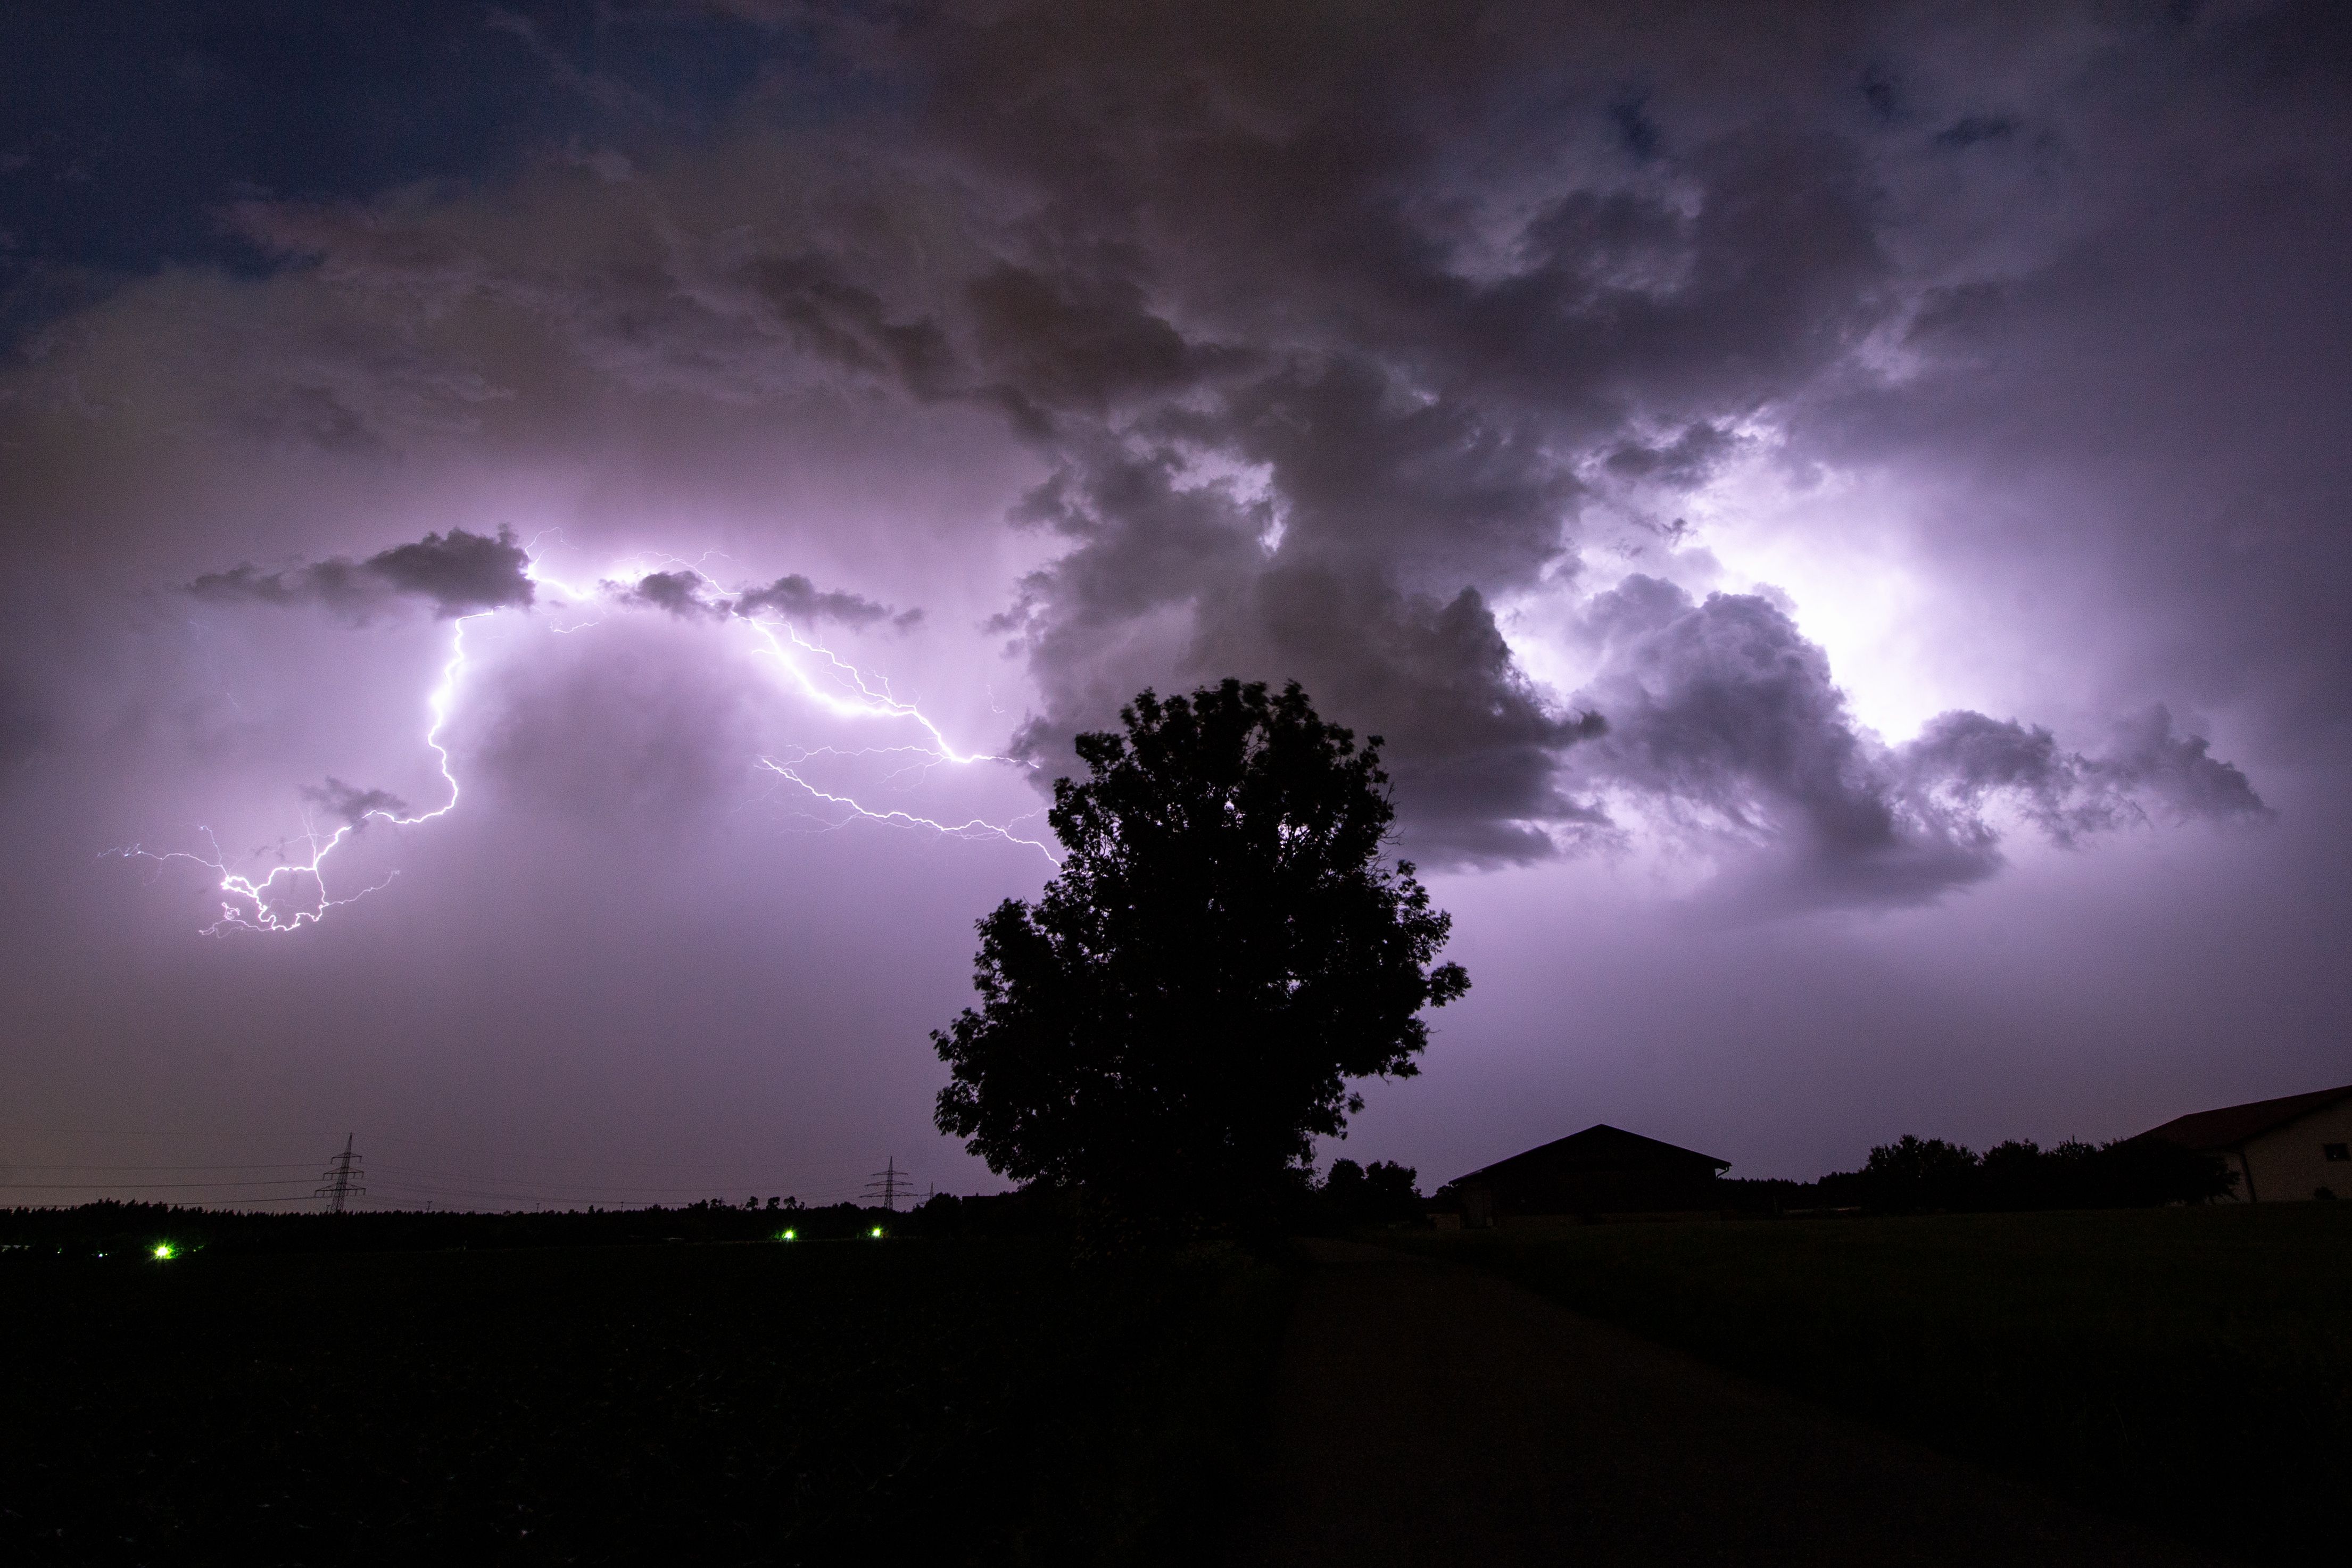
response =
{"points": [[2232, 1125], [1598, 1147]]}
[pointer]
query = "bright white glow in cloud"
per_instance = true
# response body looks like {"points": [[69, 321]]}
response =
{"points": [[1833, 550]]}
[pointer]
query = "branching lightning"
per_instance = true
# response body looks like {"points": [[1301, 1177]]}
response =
{"points": [[251, 904], [298, 893]]}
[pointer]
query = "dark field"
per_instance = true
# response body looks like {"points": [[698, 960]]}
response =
{"points": [[2190, 1369], [822, 1402]]}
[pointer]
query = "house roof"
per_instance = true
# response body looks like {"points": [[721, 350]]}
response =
{"points": [[1598, 1147], [2232, 1125]]}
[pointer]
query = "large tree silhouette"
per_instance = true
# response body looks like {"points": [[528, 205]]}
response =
{"points": [[1177, 1017]]}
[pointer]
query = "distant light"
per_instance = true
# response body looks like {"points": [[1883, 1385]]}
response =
{"points": [[877, 1232], [164, 1249], [789, 1236]]}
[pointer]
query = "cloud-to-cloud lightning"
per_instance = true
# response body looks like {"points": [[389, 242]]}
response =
{"points": [[468, 577]]}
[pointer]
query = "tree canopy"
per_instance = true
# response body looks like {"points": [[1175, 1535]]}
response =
{"points": [[1178, 1016]]}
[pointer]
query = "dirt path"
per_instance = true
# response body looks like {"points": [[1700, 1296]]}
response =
{"points": [[1432, 1415]]}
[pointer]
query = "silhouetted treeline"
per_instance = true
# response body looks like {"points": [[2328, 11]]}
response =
{"points": [[1347, 1198], [135, 1230], [1914, 1175]]}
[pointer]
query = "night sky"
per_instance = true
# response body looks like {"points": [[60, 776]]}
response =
{"points": [[1839, 513]]}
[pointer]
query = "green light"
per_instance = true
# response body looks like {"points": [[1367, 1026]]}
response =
{"points": [[877, 1232], [789, 1236], [164, 1249]]}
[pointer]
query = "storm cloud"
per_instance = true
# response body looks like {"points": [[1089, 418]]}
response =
{"points": [[1724, 721], [688, 594], [1312, 404], [794, 598], [352, 805], [458, 574]]}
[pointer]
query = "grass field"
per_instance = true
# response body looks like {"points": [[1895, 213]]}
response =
{"points": [[2187, 1368], [829, 1402]]}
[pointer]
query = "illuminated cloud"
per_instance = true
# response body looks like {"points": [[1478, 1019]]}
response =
{"points": [[1306, 410], [1723, 722]]}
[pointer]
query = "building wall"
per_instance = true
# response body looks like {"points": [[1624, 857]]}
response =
{"points": [[2291, 1162], [1580, 1189]]}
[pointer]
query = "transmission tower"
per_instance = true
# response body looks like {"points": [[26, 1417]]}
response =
{"points": [[890, 1182], [342, 1179]]}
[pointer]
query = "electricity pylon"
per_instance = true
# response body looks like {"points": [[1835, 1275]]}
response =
{"points": [[342, 1180], [889, 1181]]}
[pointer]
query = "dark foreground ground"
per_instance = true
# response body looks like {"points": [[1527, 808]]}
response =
{"points": [[830, 1402], [2185, 1369], [2059, 1388], [1501, 1430]]}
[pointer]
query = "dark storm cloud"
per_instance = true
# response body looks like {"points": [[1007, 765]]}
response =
{"points": [[849, 324], [458, 573], [1443, 367], [1342, 502], [795, 598], [792, 597], [350, 804], [1721, 714], [678, 593], [1472, 745], [1397, 423], [1685, 461]]}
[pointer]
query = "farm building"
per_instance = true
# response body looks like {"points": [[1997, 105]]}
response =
{"points": [[1602, 1170], [2296, 1147]]}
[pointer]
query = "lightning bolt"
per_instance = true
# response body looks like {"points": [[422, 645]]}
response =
{"points": [[976, 826], [297, 894], [254, 905]]}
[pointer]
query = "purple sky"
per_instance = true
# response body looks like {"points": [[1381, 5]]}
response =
{"points": [[1840, 513]]}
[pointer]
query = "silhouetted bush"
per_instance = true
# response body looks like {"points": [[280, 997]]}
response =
{"points": [[1037, 1210], [1351, 1196], [1913, 1174], [2136, 1172]]}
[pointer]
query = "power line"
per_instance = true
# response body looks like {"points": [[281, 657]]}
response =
{"points": [[281, 1166], [560, 1183], [67, 1185], [141, 1185], [598, 1162]]}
